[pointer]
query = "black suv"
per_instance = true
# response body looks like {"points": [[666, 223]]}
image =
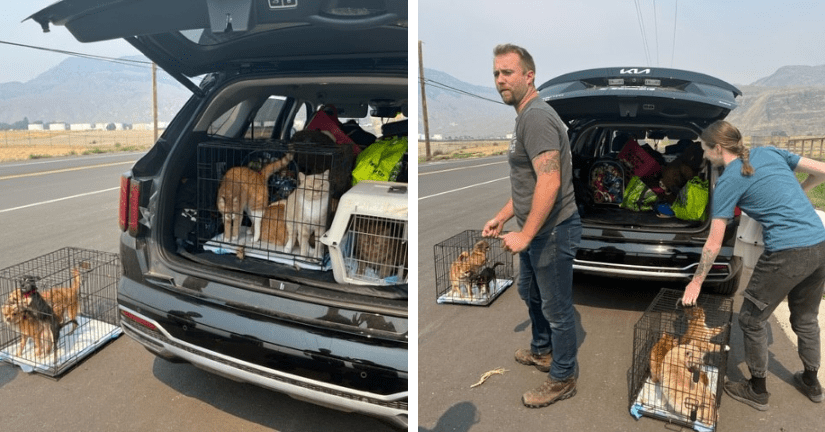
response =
{"points": [[306, 324], [661, 112]]}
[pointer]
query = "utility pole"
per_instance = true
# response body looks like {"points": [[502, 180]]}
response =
{"points": [[423, 101], [155, 99]]}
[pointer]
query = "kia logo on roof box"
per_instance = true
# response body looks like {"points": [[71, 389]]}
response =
{"points": [[634, 71]]}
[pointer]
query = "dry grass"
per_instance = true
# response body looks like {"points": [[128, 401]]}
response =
{"points": [[462, 149], [21, 145]]}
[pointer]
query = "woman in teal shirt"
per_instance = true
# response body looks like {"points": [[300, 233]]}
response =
{"points": [[762, 183]]}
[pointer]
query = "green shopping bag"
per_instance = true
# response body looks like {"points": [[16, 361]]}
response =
{"points": [[380, 160], [637, 196], [692, 201]]}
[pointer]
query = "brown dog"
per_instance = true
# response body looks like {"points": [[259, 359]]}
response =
{"points": [[466, 266], [64, 301], [22, 320]]}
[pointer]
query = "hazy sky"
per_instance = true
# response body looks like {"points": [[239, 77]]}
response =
{"points": [[23, 64], [737, 41]]}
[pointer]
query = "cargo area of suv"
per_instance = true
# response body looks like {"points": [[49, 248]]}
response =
{"points": [[634, 135], [265, 233]]}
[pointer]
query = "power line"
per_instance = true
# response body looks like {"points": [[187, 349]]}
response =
{"points": [[656, 32], [82, 55], [443, 86], [673, 49], [642, 30]]}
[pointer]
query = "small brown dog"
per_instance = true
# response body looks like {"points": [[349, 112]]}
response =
{"points": [[466, 266], [24, 322], [64, 301]]}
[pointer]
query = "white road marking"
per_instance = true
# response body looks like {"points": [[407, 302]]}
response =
{"points": [[57, 159], [462, 188], [65, 170], [59, 199], [459, 168]]}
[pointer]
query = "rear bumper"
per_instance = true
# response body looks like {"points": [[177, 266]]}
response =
{"points": [[722, 271], [268, 353], [653, 261]]}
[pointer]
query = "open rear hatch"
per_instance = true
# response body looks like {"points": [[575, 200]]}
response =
{"points": [[645, 94], [195, 37]]}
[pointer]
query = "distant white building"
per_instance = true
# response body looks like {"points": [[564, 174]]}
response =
{"points": [[57, 126], [148, 126], [35, 126], [438, 137], [80, 126]]}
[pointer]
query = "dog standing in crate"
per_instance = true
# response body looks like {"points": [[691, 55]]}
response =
{"points": [[484, 277], [466, 266], [28, 311]]}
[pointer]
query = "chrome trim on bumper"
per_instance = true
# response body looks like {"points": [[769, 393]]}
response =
{"points": [[648, 272], [392, 408]]}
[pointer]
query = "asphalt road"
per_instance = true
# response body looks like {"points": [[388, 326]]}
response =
{"points": [[457, 344], [49, 204]]}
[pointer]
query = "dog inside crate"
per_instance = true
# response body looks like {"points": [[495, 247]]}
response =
{"points": [[274, 202], [471, 269], [678, 366], [378, 250], [57, 308]]}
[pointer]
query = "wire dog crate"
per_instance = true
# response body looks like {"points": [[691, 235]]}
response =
{"points": [[368, 238], [315, 175], [679, 360], [78, 285], [471, 269]]}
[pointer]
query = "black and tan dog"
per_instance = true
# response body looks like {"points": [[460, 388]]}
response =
{"points": [[32, 306]]}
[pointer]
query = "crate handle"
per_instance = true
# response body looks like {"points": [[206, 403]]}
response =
{"points": [[398, 189]]}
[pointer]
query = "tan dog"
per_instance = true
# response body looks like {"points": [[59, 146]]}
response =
{"points": [[698, 332], [683, 393], [658, 353], [63, 300], [20, 319], [466, 266]]}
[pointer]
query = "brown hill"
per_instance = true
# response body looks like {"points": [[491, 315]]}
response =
{"points": [[790, 111]]}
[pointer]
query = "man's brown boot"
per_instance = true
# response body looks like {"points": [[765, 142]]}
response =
{"points": [[550, 392], [540, 361]]}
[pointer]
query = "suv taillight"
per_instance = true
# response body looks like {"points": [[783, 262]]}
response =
{"points": [[129, 215]]}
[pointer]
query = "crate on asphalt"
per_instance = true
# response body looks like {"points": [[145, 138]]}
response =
{"points": [[80, 286], [471, 269], [679, 360]]}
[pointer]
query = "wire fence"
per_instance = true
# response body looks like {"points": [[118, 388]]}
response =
{"points": [[811, 147], [32, 144]]}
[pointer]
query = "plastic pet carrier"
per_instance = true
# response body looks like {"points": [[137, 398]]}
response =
{"points": [[270, 200], [368, 238], [80, 288], [679, 360], [471, 269]]}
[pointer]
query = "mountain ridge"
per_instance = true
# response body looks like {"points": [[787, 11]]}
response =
{"points": [[83, 90]]}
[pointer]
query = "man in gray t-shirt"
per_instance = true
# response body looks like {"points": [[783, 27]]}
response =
{"points": [[550, 229]]}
